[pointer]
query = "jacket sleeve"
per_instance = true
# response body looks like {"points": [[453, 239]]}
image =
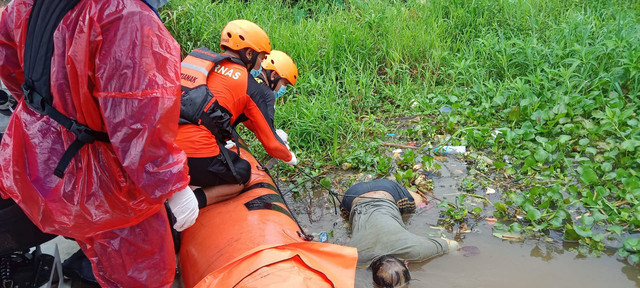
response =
{"points": [[262, 126], [11, 71], [137, 87]]}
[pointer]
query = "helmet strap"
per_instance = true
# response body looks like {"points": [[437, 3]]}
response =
{"points": [[272, 82], [249, 62]]}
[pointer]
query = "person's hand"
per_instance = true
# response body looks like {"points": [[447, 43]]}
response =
{"points": [[184, 207], [453, 245], [293, 161]]}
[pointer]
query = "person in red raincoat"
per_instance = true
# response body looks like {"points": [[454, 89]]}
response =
{"points": [[115, 68]]}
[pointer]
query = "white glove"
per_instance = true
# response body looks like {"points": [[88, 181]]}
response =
{"points": [[184, 206], [283, 135], [293, 161], [229, 144]]}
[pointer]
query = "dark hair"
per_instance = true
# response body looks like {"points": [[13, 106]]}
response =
{"points": [[389, 272]]}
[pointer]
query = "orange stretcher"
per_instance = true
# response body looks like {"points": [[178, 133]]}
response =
{"points": [[252, 240]]}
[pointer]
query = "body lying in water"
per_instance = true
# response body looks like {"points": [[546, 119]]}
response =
{"points": [[383, 242]]}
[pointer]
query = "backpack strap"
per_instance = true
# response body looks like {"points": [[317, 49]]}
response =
{"points": [[44, 19]]}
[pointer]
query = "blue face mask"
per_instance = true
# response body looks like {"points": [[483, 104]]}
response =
{"points": [[255, 73], [280, 92]]}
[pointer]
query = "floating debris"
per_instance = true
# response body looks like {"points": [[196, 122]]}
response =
{"points": [[511, 236]]}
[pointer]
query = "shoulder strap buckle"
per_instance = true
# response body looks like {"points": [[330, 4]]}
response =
{"points": [[33, 99], [83, 133]]}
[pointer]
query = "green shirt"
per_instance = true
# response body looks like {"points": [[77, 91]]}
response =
{"points": [[377, 230]]}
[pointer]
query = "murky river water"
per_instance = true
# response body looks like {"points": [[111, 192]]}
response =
{"points": [[496, 263]]}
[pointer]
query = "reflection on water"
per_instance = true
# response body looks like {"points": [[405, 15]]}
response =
{"points": [[499, 263]]}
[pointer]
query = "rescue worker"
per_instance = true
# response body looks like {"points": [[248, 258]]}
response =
{"points": [[114, 72], [220, 178], [277, 72]]}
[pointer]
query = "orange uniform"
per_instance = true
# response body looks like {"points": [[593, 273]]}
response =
{"points": [[228, 83]]}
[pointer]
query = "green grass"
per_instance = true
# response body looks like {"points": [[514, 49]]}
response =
{"points": [[559, 79]]}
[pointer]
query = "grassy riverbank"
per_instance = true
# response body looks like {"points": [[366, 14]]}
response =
{"points": [[545, 94]]}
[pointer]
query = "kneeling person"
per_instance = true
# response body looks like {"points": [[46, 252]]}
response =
{"points": [[219, 172]]}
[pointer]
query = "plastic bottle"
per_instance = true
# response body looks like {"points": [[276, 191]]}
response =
{"points": [[451, 149]]}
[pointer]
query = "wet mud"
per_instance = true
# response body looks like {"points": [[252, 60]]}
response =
{"points": [[484, 260]]}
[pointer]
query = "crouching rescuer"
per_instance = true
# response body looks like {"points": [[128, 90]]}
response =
{"points": [[278, 71], [214, 94]]}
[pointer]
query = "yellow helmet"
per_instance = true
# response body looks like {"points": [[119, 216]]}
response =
{"points": [[283, 64], [239, 34]]}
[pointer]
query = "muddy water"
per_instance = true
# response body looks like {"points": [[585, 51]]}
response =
{"points": [[495, 262]]}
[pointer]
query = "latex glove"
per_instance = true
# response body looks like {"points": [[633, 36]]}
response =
{"points": [[293, 161], [230, 144], [184, 207], [283, 135]]}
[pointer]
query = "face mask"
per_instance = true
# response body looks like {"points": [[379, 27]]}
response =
{"points": [[255, 73], [280, 92], [157, 3]]}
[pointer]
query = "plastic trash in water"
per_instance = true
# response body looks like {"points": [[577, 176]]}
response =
{"points": [[323, 237], [451, 149]]}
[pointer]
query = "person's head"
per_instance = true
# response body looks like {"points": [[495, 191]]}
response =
{"points": [[247, 41], [390, 272], [279, 71]]}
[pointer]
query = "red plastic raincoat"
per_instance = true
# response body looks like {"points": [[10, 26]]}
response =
{"points": [[115, 68]]}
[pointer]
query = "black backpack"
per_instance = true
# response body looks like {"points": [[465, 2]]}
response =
{"points": [[198, 105], [44, 19]]}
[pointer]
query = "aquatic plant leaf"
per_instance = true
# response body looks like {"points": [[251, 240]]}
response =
{"points": [[533, 214], [588, 176], [515, 227], [564, 139], [556, 221], [511, 236], [615, 229], [632, 244], [583, 231], [570, 234], [623, 253], [598, 237], [500, 207], [325, 182], [587, 220], [541, 155]]}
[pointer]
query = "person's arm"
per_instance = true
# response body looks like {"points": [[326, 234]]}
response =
{"points": [[137, 87], [258, 122], [423, 248], [11, 25]]}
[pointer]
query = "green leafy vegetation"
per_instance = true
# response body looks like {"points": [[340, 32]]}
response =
{"points": [[546, 90]]}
